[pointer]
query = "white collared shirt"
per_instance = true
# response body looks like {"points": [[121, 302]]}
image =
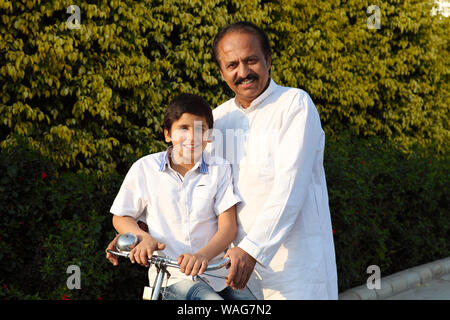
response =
{"points": [[276, 148], [180, 212]]}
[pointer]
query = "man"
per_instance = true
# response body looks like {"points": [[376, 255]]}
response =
{"points": [[284, 224], [273, 138]]}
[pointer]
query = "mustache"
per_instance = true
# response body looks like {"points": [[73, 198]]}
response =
{"points": [[251, 76]]}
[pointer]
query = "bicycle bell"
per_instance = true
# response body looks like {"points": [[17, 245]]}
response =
{"points": [[126, 242]]}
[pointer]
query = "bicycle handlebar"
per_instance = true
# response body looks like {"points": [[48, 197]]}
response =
{"points": [[167, 262], [127, 241]]}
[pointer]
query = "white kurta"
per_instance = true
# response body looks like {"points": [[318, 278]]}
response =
{"points": [[276, 149]]}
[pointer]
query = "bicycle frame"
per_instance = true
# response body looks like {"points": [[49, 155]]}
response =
{"points": [[128, 240]]}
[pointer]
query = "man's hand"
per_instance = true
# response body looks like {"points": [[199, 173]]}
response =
{"points": [[241, 268], [112, 257]]}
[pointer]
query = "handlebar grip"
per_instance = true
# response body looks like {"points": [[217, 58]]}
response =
{"points": [[173, 263]]}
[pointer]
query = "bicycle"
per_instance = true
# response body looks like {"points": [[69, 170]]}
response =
{"points": [[127, 241]]}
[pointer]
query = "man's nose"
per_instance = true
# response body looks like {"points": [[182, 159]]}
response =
{"points": [[243, 70]]}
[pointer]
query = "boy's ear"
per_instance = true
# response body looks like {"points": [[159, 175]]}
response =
{"points": [[167, 135]]}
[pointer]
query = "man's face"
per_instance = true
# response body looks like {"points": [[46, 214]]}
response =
{"points": [[243, 65]]}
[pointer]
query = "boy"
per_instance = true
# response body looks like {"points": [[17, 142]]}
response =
{"points": [[187, 199]]}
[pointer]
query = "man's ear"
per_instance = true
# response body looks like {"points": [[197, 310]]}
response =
{"points": [[268, 62], [167, 135]]}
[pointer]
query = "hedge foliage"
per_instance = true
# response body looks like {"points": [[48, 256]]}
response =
{"points": [[78, 106], [51, 222], [387, 209], [92, 98]]}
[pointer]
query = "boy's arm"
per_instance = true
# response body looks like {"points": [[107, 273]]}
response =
{"points": [[226, 231], [124, 224], [147, 244], [112, 245]]}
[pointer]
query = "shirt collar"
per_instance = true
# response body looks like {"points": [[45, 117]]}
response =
{"points": [[255, 103], [201, 164]]}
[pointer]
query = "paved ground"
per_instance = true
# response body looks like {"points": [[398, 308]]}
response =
{"points": [[430, 281], [435, 289]]}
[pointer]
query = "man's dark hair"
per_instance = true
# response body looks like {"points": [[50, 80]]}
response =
{"points": [[187, 103], [242, 27]]}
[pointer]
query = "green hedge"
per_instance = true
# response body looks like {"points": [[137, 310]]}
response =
{"points": [[50, 222], [79, 106], [387, 209], [92, 98]]}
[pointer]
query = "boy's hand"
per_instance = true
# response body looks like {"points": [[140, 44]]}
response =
{"points": [[192, 264], [144, 250], [112, 257]]}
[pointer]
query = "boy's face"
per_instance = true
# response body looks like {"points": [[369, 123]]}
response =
{"points": [[187, 135]]}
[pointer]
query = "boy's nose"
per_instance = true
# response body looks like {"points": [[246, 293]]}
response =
{"points": [[193, 135], [188, 135]]}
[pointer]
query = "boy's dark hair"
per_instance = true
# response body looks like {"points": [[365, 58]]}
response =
{"points": [[244, 27], [187, 103]]}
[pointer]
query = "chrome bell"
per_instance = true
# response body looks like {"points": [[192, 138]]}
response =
{"points": [[126, 242]]}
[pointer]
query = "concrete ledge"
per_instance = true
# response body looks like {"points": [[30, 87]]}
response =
{"points": [[400, 281]]}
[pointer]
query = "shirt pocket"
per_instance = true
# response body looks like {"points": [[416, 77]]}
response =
{"points": [[202, 203]]}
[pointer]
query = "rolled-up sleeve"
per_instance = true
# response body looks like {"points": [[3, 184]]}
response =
{"points": [[131, 200], [225, 197], [294, 156]]}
